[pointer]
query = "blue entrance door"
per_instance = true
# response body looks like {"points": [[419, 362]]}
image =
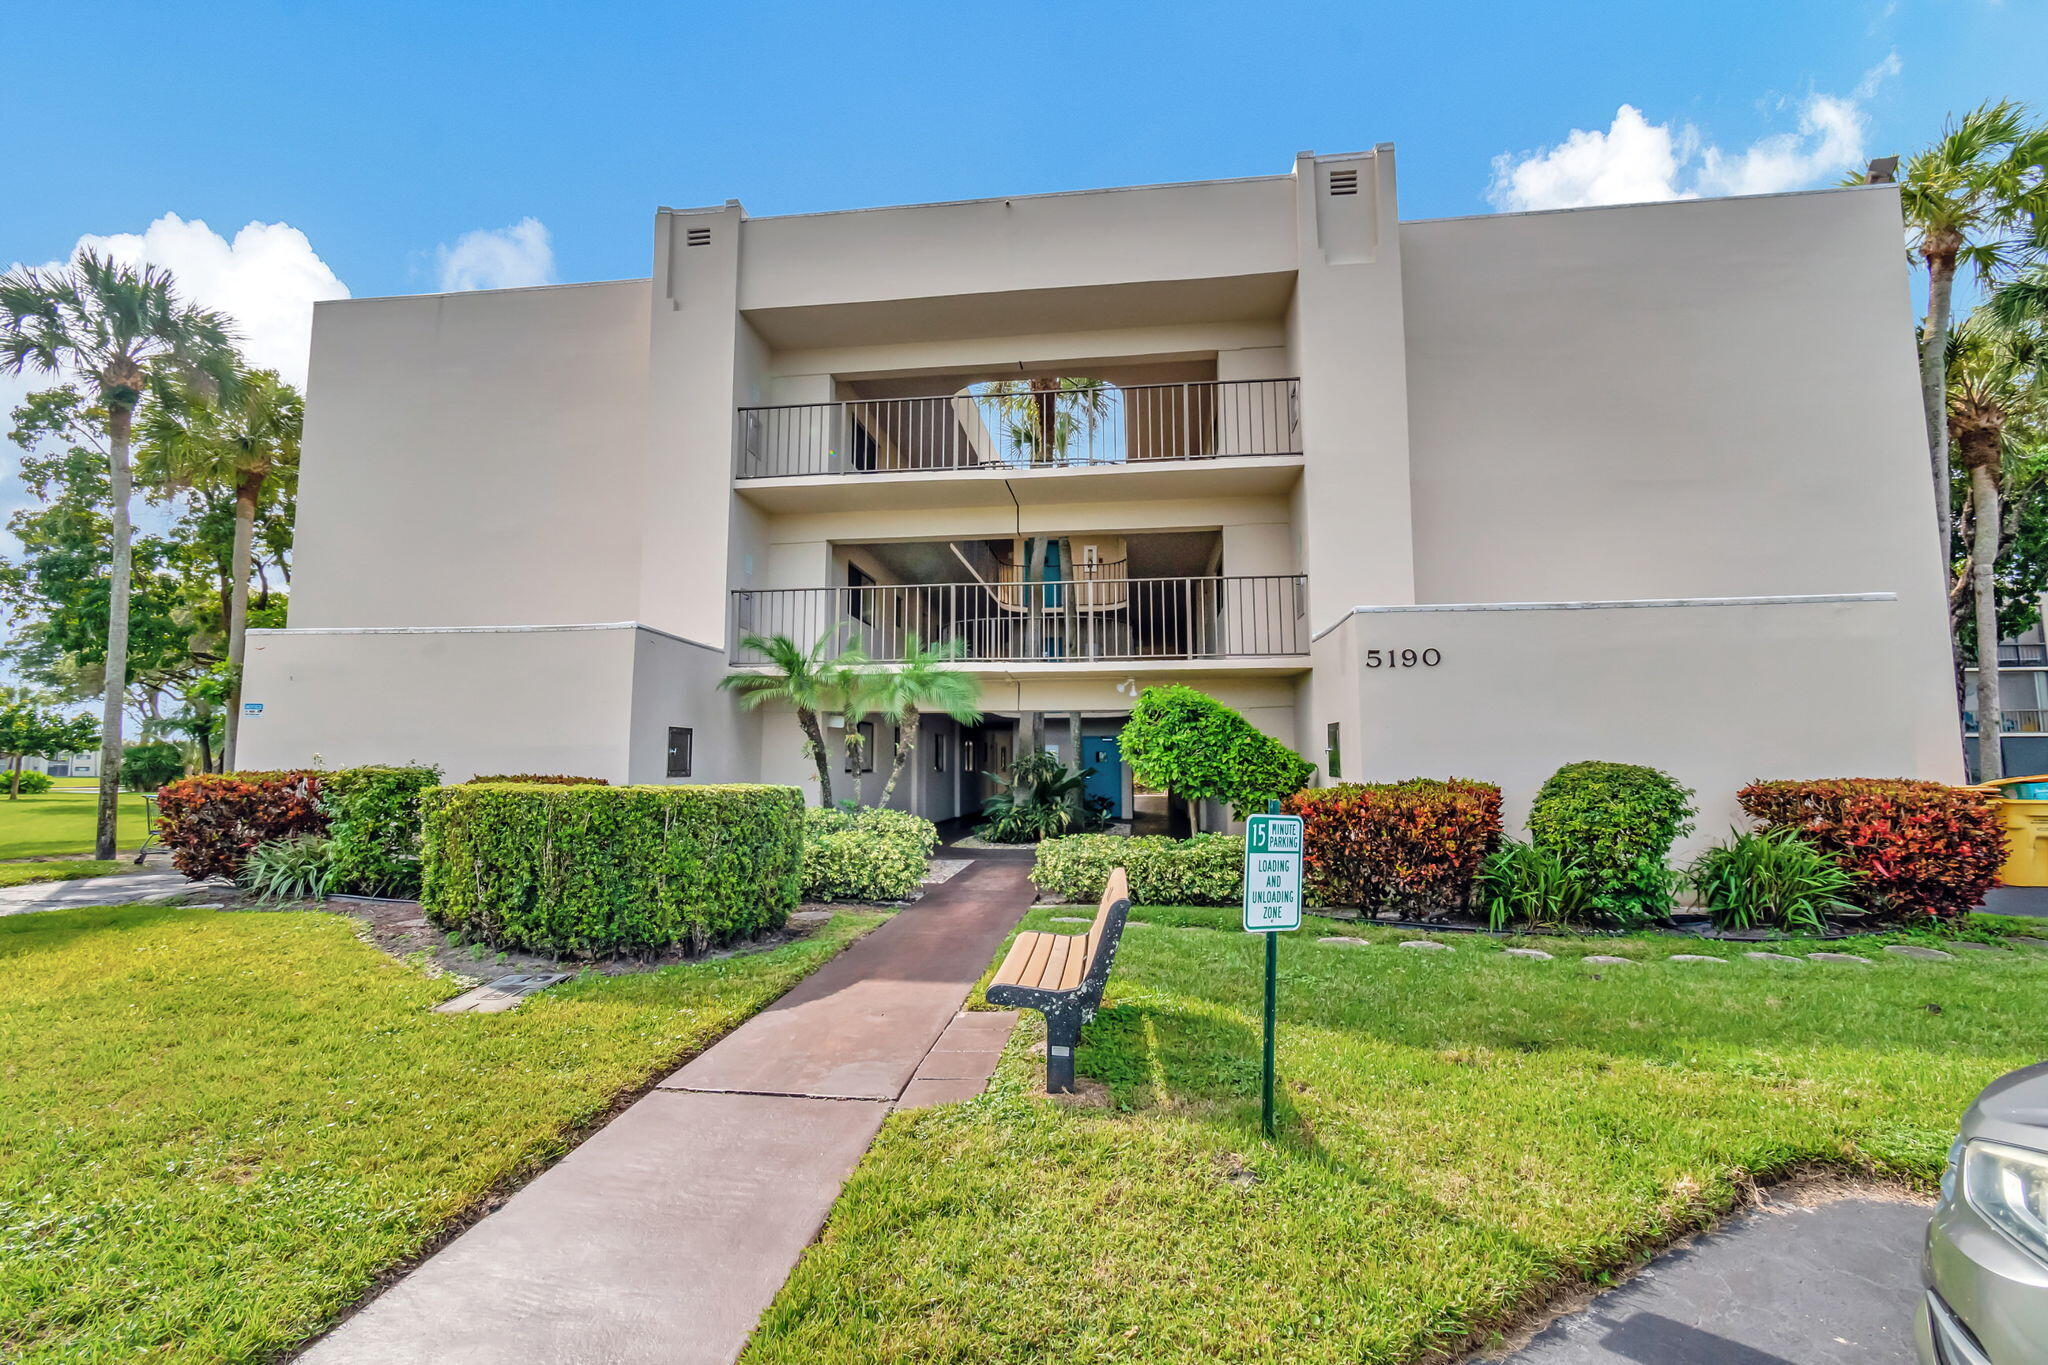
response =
{"points": [[1101, 753]]}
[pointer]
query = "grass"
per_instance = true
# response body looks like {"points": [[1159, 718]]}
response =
{"points": [[1462, 1134], [22, 874], [61, 821], [217, 1129]]}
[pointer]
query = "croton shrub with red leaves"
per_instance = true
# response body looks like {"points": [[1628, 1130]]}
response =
{"points": [[1396, 845], [1916, 848], [211, 821]]}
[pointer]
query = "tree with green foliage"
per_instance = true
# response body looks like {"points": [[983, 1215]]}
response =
{"points": [[1187, 744], [236, 446], [146, 767], [1977, 200], [118, 326], [33, 729], [1997, 407], [924, 681], [812, 682]]}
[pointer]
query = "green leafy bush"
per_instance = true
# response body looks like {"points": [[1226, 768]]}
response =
{"points": [[1183, 741], [589, 871], [1416, 844], [1916, 848], [298, 867], [1205, 870], [1770, 879], [1038, 798], [1523, 885], [544, 779], [146, 767], [865, 854], [373, 817], [32, 783], [1613, 824]]}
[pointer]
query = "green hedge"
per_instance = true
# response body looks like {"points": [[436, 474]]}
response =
{"points": [[874, 854], [1184, 741], [1613, 825], [373, 824], [589, 871], [1205, 870]]}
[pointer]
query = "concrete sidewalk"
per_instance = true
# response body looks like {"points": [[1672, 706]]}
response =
{"points": [[119, 888], [663, 1237]]}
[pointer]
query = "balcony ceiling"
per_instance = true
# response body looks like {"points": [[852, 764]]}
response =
{"points": [[1027, 312], [1226, 477]]}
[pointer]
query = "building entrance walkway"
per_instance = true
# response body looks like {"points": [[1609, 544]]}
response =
{"points": [[663, 1237]]}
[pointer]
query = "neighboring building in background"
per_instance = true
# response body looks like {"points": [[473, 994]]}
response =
{"points": [[65, 765], [2022, 697], [1476, 496]]}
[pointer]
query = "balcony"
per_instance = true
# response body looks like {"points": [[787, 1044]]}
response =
{"points": [[2012, 722], [1027, 435], [1064, 625]]}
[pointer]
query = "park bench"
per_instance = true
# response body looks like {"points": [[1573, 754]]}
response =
{"points": [[1062, 976]]}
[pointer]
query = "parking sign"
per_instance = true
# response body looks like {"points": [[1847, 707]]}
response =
{"points": [[1272, 873]]}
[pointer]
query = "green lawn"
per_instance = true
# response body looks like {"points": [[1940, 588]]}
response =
{"points": [[61, 821], [1462, 1133], [22, 874], [216, 1129]]}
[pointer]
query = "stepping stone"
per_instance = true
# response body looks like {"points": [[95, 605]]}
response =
{"points": [[1695, 957], [1837, 957], [1605, 960], [1914, 950], [1774, 957], [1535, 953], [1428, 945], [1969, 946], [2027, 939], [207, 905], [1342, 941], [1073, 919], [503, 994]]}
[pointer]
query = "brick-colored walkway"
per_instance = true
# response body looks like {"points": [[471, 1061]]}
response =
{"points": [[663, 1237]]}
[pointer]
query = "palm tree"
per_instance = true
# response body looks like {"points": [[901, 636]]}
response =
{"points": [[238, 446], [811, 682], [1975, 199], [1043, 414], [922, 682], [115, 325], [1997, 388]]}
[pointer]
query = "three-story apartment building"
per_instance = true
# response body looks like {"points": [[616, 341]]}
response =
{"points": [[1473, 496]]}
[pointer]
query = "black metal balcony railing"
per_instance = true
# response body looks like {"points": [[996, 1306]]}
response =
{"points": [[2012, 722], [1015, 427], [1072, 619]]}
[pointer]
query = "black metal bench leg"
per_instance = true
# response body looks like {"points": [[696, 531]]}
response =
{"points": [[1062, 1036]]}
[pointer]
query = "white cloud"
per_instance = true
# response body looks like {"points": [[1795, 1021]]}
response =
{"points": [[498, 258], [1636, 161]]}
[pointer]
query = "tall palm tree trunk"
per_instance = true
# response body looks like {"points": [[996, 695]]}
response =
{"points": [[238, 610], [120, 422], [814, 736], [1941, 274], [1984, 588], [906, 744]]}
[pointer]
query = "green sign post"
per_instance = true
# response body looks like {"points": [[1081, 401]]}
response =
{"points": [[1272, 906]]}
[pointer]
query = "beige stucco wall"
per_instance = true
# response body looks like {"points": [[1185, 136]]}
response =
{"points": [[473, 459], [1717, 694]]}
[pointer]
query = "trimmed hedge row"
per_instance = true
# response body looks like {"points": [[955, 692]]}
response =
{"points": [[1914, 848], [593, 871], [212, 822], [873, 854], [1396, 845], [1205, 870]]}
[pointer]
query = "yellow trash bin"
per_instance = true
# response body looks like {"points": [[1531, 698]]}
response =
{"points": [[2023, 809]]}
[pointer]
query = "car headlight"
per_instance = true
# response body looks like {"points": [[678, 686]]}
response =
{"points": [[2008, 1186]]}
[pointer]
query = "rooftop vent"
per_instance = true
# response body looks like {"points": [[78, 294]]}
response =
{"points": [[699, 236], [1344, 181]]}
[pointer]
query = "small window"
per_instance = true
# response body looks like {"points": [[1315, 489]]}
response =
{"points": [[681, 742], [938, 756], [864, 748], [1333, 751], [858, 584]]}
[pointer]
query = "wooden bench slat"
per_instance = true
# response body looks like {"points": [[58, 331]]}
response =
{"points": [[1080, 952], [1034, 966], [1012, 970], [1056, 965]]}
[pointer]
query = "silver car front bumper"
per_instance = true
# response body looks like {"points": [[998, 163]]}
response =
{"points": [[1987, 1301]]}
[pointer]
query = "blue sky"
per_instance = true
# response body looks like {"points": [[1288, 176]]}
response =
{"points": [[408, 147]]}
